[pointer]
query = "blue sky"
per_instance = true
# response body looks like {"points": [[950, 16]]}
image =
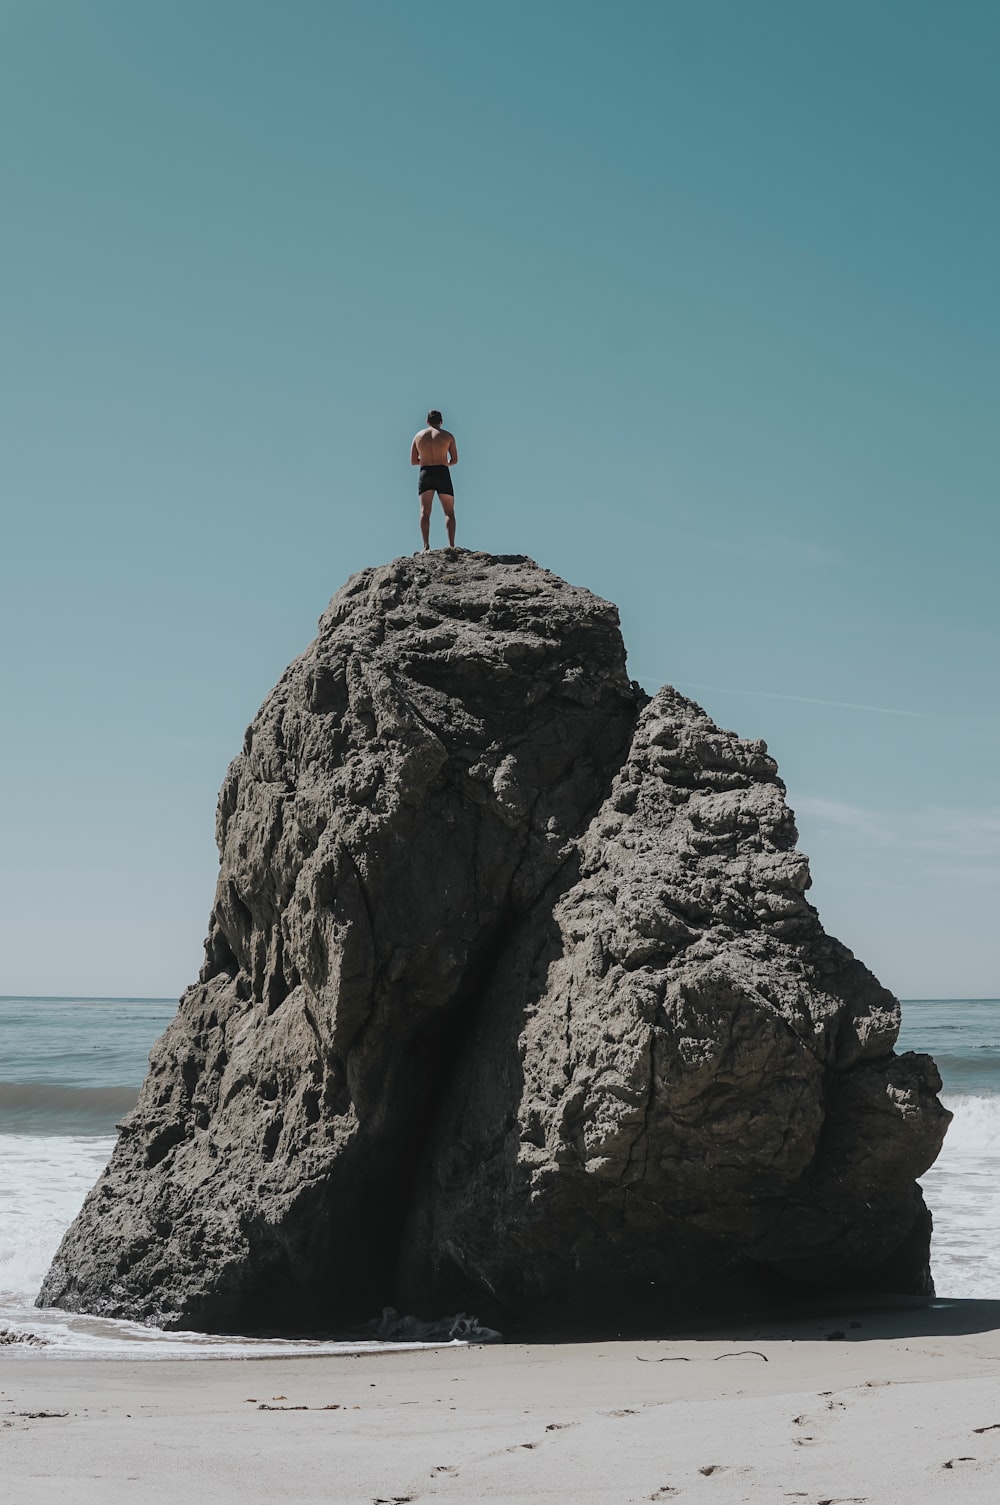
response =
{"points": [[707, 291]]}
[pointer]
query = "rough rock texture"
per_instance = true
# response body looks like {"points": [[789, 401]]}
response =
{"points": [[511, 994], [678, 1080]]}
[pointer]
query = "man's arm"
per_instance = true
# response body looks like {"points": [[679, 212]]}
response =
{"points": [[414, 453], [453, 450]]}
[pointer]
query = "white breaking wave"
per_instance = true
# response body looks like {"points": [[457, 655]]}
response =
{"points": [[975, 1129], [962, 1189], [43, 1181]]}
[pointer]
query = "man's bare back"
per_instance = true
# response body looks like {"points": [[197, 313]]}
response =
{"points": [[434, 446], [435, 451]]}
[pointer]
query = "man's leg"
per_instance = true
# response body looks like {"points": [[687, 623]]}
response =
{"points": [[426, 502], [448, 503]]}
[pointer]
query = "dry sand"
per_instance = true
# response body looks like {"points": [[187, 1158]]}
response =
{"points": [[865, 1406]]}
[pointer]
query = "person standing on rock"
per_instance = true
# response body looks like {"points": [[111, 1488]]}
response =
{"points": [[435, 451]]}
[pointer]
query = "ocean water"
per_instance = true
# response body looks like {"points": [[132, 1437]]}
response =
{"points": [[70, 1067], [962, 1187]]}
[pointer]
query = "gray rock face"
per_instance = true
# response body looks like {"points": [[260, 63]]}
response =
{"points": [[511, 995], [678, 1081]]}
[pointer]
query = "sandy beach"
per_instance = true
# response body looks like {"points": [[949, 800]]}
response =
{"points": [[865, 1406]]}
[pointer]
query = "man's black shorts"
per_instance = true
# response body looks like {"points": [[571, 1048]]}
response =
{"points": [[436, 478]]}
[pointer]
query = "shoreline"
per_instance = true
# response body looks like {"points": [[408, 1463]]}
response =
{"points": [[824, 1311], [894, 1409]]}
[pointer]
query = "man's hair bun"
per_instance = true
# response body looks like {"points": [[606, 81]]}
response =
{"points": [[434, 418]]}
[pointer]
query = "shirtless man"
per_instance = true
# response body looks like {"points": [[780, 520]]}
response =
{"points": [[435, 451]]}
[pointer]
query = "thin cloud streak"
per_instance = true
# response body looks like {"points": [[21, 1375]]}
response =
{"points": [[843, 705], [966, 841]]}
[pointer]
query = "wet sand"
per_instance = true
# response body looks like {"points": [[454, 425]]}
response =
{"points": [[874, 1406]]}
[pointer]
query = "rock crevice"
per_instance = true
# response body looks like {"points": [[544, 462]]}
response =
{"points": [[511, 993]]}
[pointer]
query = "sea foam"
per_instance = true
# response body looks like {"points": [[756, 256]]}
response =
{"points": [[961, 1191]]}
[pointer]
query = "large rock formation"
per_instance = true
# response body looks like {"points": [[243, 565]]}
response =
{"points": [[511, 996]]}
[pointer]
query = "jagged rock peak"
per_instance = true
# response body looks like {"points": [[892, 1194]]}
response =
{"points": [[511, 995]]}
